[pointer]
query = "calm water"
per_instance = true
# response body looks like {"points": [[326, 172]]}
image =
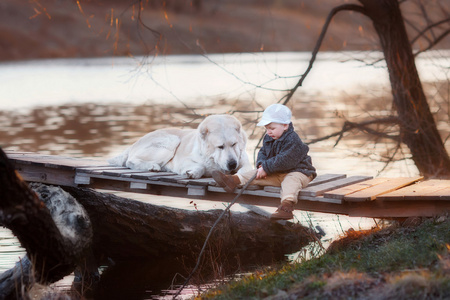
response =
{"points": [[96, 107]]}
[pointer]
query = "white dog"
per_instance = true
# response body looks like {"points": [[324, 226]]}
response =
{"points": [[217, 144]]}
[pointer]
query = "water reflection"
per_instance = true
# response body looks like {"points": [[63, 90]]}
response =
{"points": [[83, 130], [138, 279], [98, 130]]}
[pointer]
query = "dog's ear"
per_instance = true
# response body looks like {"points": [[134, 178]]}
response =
{"points": [[238, 128], [243, 138], [237, 125], [203, 129]]}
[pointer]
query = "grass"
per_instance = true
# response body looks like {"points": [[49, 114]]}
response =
{"points": [[397, 262]]}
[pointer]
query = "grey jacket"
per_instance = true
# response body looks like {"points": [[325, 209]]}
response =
{"points": [[286, 154]]}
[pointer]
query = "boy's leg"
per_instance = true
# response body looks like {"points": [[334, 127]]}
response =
{"points": [[290, 188], [230, 182], [272, 180], [245, 176], [292, 184]]}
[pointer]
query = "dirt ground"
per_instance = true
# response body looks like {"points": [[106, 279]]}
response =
{"points": [[31, 29]]}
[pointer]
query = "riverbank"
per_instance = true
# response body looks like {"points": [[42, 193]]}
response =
{"points": [[407, 261]]}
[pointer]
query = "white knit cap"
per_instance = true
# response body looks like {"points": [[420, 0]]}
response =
{"points": [[277, 113]]}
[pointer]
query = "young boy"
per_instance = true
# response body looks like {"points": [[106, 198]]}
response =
{"points": [[282, 161]]}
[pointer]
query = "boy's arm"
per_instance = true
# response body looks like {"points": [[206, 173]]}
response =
{"points": [[291, 153], [262, 156]]}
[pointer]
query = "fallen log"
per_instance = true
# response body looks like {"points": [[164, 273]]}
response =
{"points": [[136, 235], [125, 228]]}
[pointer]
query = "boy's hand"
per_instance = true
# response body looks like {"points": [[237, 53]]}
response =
{"points": [[260, 174]]}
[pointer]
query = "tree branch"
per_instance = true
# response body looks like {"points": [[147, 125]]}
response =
{"points": [[333, 12], [155, 33], [363, 126], [434, 42], [429, 28]]}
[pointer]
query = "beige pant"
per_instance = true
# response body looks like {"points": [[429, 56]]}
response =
{"points": [[290, 183]]}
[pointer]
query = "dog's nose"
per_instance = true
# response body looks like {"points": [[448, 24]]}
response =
{"points": [[232, 164]]}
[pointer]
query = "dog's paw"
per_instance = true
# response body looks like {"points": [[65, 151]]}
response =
{"points": [[153, 167], [143, 165], [194, 174]]}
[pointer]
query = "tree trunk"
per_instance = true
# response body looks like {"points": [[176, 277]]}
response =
{"points": [[418, 128], [125, 229], [51, 254]]}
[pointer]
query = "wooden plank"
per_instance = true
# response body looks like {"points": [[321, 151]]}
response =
{"points": [[194, 190], [320, 199], [444, 194], [322, 207], [81, 178], [122, 172], [121, 181], [26, 157], [97, 168], [396, 209], [173, 178], [326, 178], [318, 190], [24, 162], [54, 161], [371, 193], [258, 192], [436, 192], [254, 187], [272, 189], [342, 192], [47, 162], [262, 193], [38, 173], [200, 181], [419, 191], [151, 175], [445, 197], [64, 164], [318, 180], [138, 185], [13, 152], [102, 170]]}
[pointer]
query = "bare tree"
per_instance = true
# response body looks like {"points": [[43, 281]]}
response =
{"points": [[418, 128]]}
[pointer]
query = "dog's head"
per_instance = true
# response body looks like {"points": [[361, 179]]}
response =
{"points": [[223, 141]]}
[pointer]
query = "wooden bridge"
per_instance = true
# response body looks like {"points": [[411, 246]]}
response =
{"points": [[361, 196]]}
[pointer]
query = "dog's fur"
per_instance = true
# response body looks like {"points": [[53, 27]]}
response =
{"points": [[217, 144]]}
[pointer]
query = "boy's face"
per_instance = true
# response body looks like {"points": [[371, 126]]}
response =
{"points": [[276, 130]]}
